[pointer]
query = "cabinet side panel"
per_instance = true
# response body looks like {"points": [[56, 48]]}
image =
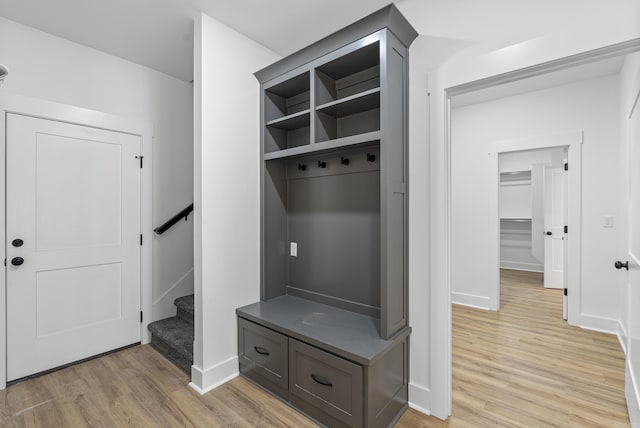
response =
{"points": [[388, 381], [274, 230], [393, 187]]}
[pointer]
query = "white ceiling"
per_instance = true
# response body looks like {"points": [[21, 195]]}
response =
{"points": [[159, 33]]}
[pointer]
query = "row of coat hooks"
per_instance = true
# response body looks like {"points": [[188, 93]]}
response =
{"points": [[343, 160]]}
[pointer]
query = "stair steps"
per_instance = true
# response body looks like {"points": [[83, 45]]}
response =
{"points": [[174, 336]]}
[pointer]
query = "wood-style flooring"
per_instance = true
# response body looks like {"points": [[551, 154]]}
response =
{"points": [[522, 366], [525, 366]]}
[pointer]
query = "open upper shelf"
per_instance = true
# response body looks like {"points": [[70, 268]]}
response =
{"points": [[286, 98], [353, 104], [350, 74], [326, 145], [292, 121], [347, 97], [342, 106]]}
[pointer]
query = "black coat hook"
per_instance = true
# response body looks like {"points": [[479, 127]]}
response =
{"points": [[344, 161], [322, 164], [371, 157], [302, 167]]}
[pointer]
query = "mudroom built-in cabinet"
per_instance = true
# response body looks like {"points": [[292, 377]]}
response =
{"points": [[330, 334]]}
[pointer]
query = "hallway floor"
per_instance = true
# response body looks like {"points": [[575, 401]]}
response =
{"points": [[523, 366]]}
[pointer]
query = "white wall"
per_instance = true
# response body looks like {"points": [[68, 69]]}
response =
{"points": [[430, 313], [591, 106], [227, 190], [628, 89], [522, 161], [50, 68]]}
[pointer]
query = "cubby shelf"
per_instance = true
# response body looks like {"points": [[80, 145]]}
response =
{"points": [[325, 145], [357, 103], [292, 121]]}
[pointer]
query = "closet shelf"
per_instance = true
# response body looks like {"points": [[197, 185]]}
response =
{"points": [[325, 145], [515, 178], [515, 218], [353, 104], [292, 121]]}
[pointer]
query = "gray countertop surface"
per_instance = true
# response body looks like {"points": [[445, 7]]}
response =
{"points": [[344, 333]]}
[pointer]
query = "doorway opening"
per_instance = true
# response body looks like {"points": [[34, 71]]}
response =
{"points": [[471, 263], [533, 215]]}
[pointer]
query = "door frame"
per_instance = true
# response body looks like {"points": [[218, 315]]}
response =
{"points": [[440, 322], [28, 106], [573, 142]]}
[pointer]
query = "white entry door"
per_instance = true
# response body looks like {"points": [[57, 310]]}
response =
{"points": [[555, 183], [73, 243], [632, 382]]}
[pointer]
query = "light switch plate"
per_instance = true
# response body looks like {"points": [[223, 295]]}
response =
{"points": [[608, 221], [293, 249]]}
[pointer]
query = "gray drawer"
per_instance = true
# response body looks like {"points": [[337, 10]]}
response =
{"points": [[262, 352], [329, 383]]}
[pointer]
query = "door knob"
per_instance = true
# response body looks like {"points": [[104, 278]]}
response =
{"points": [[17, 242], [549, 233], [620, 265], [17, 261]]}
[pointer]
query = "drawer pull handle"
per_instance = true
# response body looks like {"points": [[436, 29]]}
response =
{"points": [[260, 350], [321, 380]]}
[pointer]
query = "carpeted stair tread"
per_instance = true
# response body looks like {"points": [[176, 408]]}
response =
{"points": [[186, 303], [174, 338], [185, 308], [175, 356]]}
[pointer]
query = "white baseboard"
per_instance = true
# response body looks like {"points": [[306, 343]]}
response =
{"points": [[632, 396], [163, 306], [480, 302], [601, 324], [203, 381], [622, 337], [529, 267], [420, 398]]}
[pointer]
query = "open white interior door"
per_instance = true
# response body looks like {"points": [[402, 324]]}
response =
{"points": [[555, 183], [537, 211], [632, 382]]}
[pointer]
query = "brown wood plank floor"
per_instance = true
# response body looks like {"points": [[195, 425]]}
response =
{"points": [[522, 366]]}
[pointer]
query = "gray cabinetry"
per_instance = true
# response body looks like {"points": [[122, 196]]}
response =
{"points": [[329, 383], [334, 225], [340, 371], [263, 355]]}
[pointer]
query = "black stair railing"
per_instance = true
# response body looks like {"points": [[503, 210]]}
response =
{"points": [[173, 220]]}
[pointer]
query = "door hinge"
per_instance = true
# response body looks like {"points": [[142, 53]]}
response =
{"points": [[566, 229], [141, 239], [565, 291], [5, 262], [140, 157], [566, 166], [140, 316]]}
